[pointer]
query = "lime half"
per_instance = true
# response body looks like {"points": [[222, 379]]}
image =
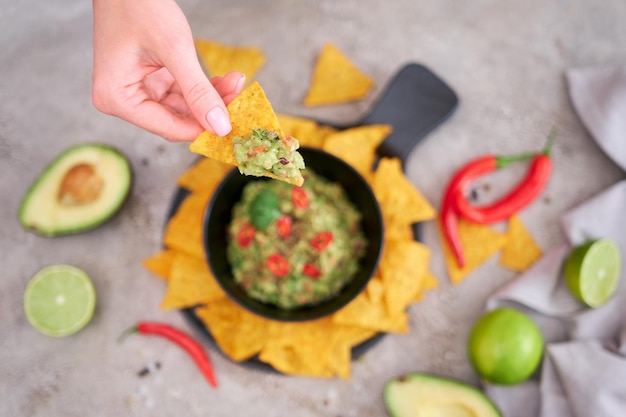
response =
{"points": [[59, 300], [592, 271]]}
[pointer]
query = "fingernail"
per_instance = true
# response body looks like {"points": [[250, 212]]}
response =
{"points": [[219, 121], [240, 84]]}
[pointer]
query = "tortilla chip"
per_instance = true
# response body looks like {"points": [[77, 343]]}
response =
{"points": [[336, 79], [401, 203], [429, 282], [219, 59], [238, 333], [375, 289], [361, 312], [308, 132], [249, 110], [204, 175], [357, 146], [520, 250], [191, 283], [160, 264], [184, 230], [344, 339], [302, 348], [403, 267], [479, 242]]}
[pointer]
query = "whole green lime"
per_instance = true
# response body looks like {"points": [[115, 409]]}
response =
{"points": [[505, 346]]}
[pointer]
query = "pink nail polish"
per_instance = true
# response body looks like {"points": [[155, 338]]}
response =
{"points": [[240, 84], [219, 121]]}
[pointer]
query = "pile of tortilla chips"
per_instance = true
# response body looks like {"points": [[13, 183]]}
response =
{"points": [[318, 348]]}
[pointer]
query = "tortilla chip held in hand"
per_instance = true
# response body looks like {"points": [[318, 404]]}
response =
{"points": [[256, 144]]}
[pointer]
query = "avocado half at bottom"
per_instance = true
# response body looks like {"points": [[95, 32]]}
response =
{"points": [[78, 191], [419, 394]]}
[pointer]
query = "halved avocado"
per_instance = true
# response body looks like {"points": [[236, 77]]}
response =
{"points": [[419, 394], [81, 188]]}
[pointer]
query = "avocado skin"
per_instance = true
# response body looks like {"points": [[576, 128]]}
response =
{"points": [[99, 219], [434, 386]]}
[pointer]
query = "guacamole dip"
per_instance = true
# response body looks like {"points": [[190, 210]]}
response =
{"points": [[293, 246], [264, 153]]}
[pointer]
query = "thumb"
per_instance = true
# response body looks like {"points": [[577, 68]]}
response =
{"points": [[203, 100]]}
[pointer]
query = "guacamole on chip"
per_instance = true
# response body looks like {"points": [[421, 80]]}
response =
{"points": [[264, 153], [294, 246]]}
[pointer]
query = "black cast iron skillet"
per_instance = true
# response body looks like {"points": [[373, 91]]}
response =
{"points": [[414, 103]]}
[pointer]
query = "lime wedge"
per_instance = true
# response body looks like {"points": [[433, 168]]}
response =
{"points": [[59, 300], [592, 271]]}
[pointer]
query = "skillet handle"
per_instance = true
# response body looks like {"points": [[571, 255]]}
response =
{"points": [[414, 103]]}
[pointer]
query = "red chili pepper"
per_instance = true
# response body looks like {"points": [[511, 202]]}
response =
{"points": [[283, 226], [193, 348], [321, 240], [311, 270], [277, 265], [449, 216], [245, 235], [523, 194], [299, 197]]}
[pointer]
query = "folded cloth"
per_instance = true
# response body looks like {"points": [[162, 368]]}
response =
{"points": [[599, 97], [584, 365]]}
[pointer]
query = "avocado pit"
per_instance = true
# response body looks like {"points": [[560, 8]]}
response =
{"points": [[80, 185]]}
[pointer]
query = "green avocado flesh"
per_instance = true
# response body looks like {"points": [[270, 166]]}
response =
{"points": [[81, 188], [418, 394]]}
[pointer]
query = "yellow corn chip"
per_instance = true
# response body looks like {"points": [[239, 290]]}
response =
{"points": [[300, 348], [204, 175], [343, 340], [308, 132], [336, 79], [375, 289], [400, 201], [191, 283], [238, 333], [160, 264], [429, 282], [361, 312], [219, 59], [357, 146], [302, 360], [249, 110], [184, 230], [403, 267], [479, 243], [520, 249]]}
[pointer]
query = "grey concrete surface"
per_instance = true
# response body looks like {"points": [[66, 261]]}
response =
{"points": [[505, 60]]}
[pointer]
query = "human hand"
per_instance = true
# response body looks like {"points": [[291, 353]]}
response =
{"points": [[146, 71]]}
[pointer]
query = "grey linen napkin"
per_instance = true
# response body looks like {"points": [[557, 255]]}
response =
{"points": [[584, 366]]}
